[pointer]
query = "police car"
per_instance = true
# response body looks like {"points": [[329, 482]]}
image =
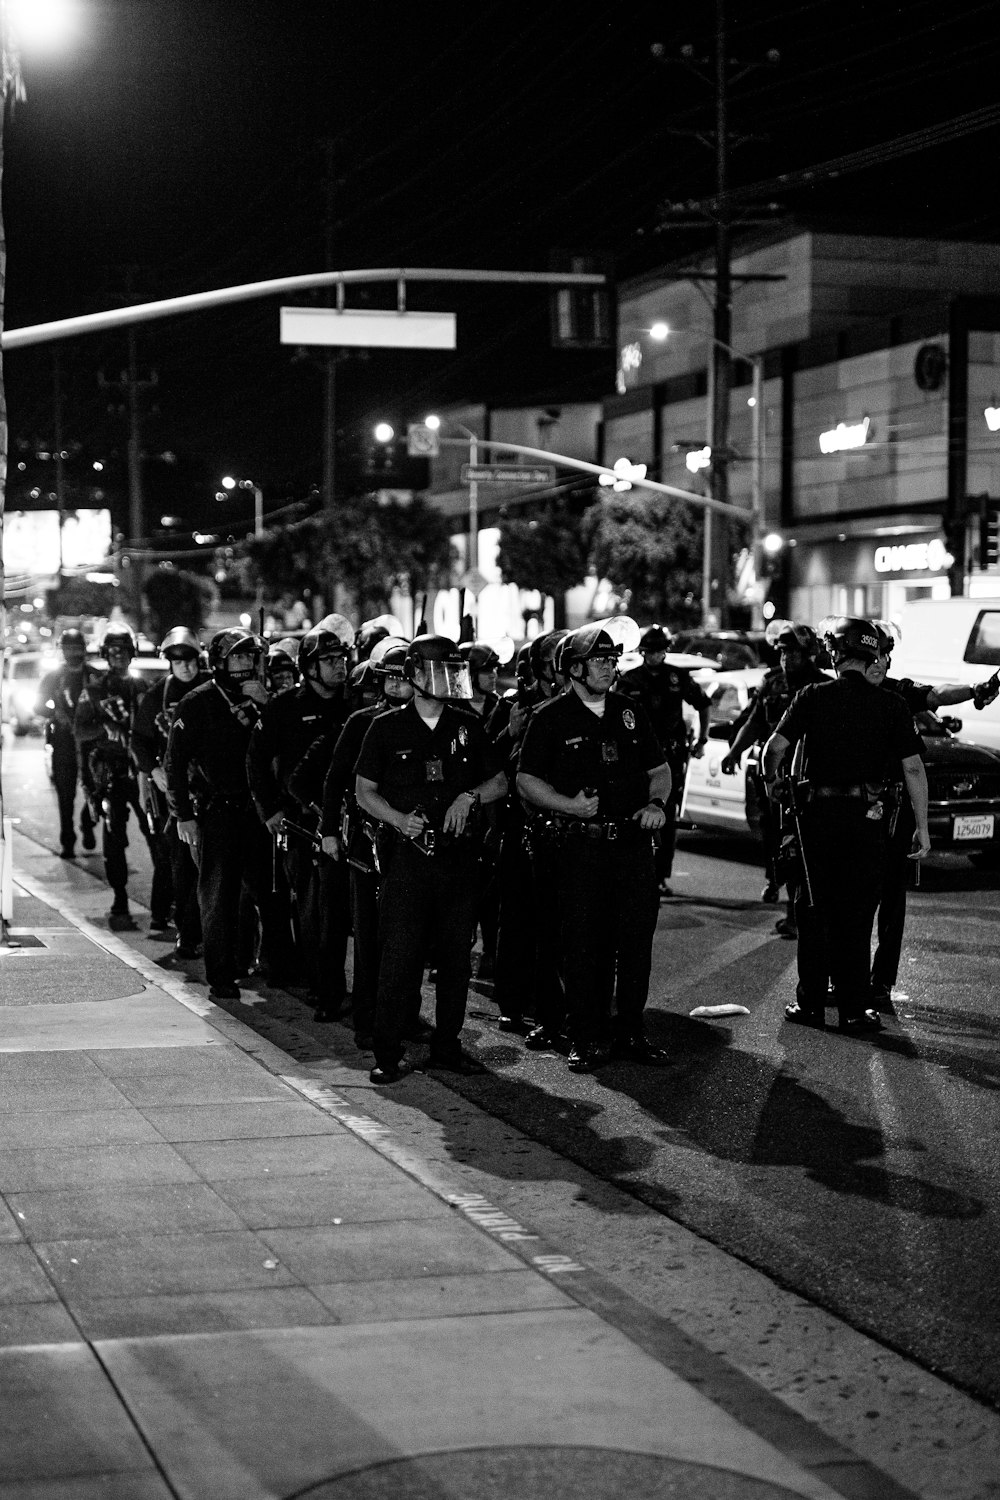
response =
{"points": [[963, 780]]}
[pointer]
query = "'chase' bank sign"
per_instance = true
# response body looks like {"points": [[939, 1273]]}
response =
{"points": [[914, 557]]}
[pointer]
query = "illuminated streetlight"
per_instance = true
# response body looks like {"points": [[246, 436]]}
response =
{"points": [[384, 432], [659, 332], [43, 26], [433, 422]]}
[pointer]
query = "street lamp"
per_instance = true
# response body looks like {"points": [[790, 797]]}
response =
{"points": [[229, 483], [42, 26]]}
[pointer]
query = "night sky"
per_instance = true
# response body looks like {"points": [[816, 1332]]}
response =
{"points": [[185, 139]]}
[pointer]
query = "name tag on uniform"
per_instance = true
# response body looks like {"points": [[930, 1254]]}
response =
{"points": [[434, 770], [609, 752]]}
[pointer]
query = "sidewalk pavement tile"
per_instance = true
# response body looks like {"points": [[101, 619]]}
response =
{"points": [[144, 1019], [248, 1416], [77, 1127], [266, 1203], [217, 1060], [362, 1252], [452, 1296], [47, 1097], [48, 1068], [201, 1312], [26, 1323], [103, 1210], [93, 1433], [201, 1088], [42, 1167], [22, 1279], [153, 1264], [239, 1121], [284, 1156]]}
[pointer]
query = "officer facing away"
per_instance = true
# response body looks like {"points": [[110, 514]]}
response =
{"points": [[663, 689], [852, 740], [58, 694], [592, 768], [423, 772]]}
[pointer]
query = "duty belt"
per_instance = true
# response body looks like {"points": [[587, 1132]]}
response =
{"points": [[840, 791], [555, 827]]}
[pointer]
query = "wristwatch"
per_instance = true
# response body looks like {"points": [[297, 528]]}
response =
{"points": [[476, 799], [657, 802]]}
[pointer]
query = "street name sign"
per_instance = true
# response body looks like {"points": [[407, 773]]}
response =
{"points": [[507, 474], [367, 328]]}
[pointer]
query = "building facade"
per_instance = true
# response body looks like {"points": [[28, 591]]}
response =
{"points": [[878, 444]]}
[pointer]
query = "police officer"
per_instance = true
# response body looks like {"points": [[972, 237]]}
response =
{"points": [[58, 694], [281, 674], [663, 690], [527, 981], [853, 740], [286, 728], [150, 736], [891, 921], [484, 665], [591, 764], [424, 772], [349, 836], [105, 714], [209, 795], [798, 647]]}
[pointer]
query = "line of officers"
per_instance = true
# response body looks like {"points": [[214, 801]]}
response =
{"points": [[361, 785]]}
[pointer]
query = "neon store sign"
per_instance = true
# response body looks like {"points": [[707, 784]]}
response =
{"points": [[844, 436], [914, 557]]}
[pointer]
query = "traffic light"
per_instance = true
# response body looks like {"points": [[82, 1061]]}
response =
{"points": [[989, 533], [388, 465]]}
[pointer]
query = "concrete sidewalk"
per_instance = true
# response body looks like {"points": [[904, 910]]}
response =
{"points": [[221, 1277]]}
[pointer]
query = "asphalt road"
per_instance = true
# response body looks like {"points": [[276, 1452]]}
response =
{"points": [[861, 1174]]}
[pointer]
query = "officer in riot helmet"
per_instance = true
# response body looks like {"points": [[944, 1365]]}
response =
{"points": [[150, 736], [598, 783], [423, 773], [919, 698], [852, 743], [104, 719], [798, 648], [663, 689], [526, 976], [209, 796], [58, 694], [281, 672], [484, 665], [287, 726]]}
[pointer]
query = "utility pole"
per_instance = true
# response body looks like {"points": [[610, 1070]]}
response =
{"points": [[329, 361], [57, 421]]}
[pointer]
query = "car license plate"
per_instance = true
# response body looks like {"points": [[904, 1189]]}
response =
{"points": [[974, 828]]}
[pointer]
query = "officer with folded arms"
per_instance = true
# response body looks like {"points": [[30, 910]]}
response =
{"points": [[591, 764], [423, 772], [851, 741]]}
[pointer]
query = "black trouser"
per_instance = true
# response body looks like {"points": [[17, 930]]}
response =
{"points": [[322, 905], [364, 890], [608, 907], [184, 873], [65, 774], [527, 968], [234, 850], [425, 899], [892, 903], [122, 793], [844, 852], [770, 825], [677, 754]]}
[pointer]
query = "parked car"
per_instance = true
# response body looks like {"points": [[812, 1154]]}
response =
{"points": [[727, 650], [22, 677], [963, 779]]}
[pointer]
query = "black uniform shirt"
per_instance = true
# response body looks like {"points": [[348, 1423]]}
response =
{"points": [[570, 748], [154, 716], [416, 766], [913, 694], [663, 691], [58, 694], [773, 699], [208, 743], [289, 724], [854, 732]]}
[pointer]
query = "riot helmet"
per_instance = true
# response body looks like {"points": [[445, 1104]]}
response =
{"points": [[848, 637], [889, 636], [118, 647], [585, 647], [786, 635], [438, 658], [329, 641], [180, 644], [370, 632], [73, 639], [280, 672], [389, 669], [653, 639], [235, 641], [543, 655]]}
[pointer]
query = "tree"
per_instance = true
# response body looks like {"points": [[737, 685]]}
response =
{"points": [[369, 548], [649, 549], [174, 597], [550, 550]]}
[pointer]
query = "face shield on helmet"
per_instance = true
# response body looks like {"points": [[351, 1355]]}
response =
{"points": [[436, 669], [234, 655], [590, 657], [280, 673], [387, 665]]}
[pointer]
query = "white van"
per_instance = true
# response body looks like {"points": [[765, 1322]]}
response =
{"points": [[954, 640]]}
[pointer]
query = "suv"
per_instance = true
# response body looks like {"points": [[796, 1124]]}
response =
{"points": [[954, 640]]}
